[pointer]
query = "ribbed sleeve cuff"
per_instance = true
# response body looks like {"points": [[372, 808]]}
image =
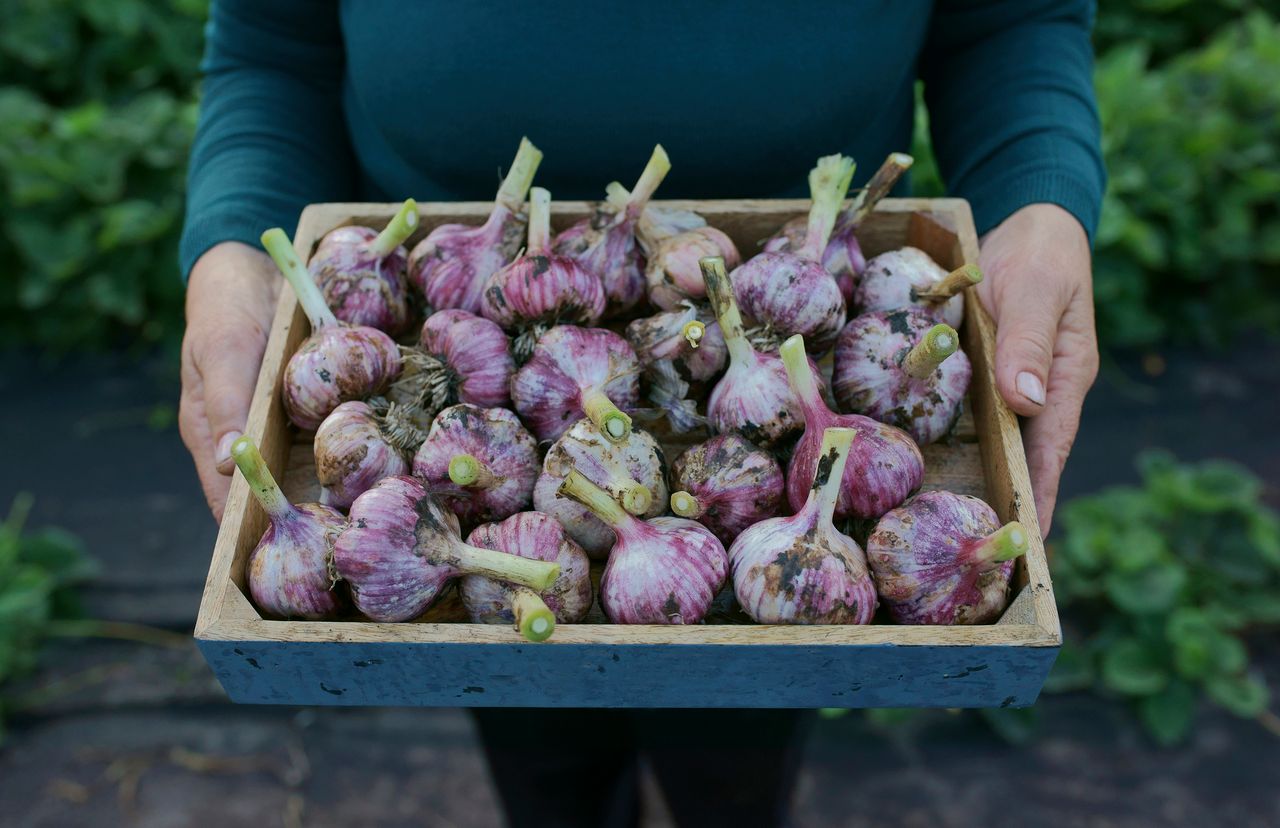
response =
{"points": [[998, 197], [202, 232]]}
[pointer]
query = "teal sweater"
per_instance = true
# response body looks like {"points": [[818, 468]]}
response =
{"points": [[378, 100]]}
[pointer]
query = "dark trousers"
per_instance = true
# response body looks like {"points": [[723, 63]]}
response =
{"points": [[568, 768]]}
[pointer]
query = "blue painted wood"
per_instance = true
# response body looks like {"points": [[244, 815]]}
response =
{"points": [[603, 675]]}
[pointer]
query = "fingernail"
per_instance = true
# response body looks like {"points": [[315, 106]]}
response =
{"points": [[1029, 386], [222, 454]]}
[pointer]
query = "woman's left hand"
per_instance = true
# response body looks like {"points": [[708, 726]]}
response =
{"points": [[1038, 286]]}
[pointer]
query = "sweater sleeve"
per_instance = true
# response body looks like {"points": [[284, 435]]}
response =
{"points": [[271, 136], [1014, 121]]}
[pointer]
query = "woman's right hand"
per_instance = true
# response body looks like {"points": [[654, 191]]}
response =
{"points": [[231, 299]]}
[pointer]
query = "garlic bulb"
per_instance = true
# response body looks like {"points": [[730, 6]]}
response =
{"points": [[355, 447], [674, 241], [361, 272], [454, 262], [801, 569], [909, 277], [688, 336], [943, 558], [661, 571], [726, 484], [902, 369], [290, 571], [337, 362]]}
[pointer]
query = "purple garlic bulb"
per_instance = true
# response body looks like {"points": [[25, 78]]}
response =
{"points": [[902, 369], [674, 241], [537, 536], [480, 462], [753, 397], [783, 294], [356, 447], [605, 243], [661, 571], [884, 465], [290, 571], [688, 336], [801, 569], [454, 262], [574, 373], [633, 472], [726, 484], [337, 362], [541, 289], [361, 272], [944, 558], [843, 257], [402, 549], [908, 277]]}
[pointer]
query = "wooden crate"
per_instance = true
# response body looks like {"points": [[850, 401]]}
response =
{"points": [[439, 662]]}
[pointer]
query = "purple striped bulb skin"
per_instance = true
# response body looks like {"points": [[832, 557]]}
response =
{"points": [[787, 294], [361, 287], [290, 570], [611, 466], [336, 364], [496, 439], [352, 453], [567, 363], [541, 289], [891, 281], [662, 336], [884, 467], [921, 557], [605, 244], [735, 483], [477, 354], [672, 272], [843, 258], [529, 535], [452, 265], [869, 378], [394, 554], [755, 400], [662, 571]]}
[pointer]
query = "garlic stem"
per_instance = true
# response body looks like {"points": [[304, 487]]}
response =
{"points": [[828, 184], [249, 460], [1004, 544], [829, 474], [686, 505], [277, 244], [515, 186], [399, 229], [469, 471], [613, 423], [957, 280], [880, 184], [534, 619], [799, 372], [938, 343], [616, 194], [720, 292], [577, 487], [501, 566], [693, 332], [539, 222], [654, 171], [636, 498]]}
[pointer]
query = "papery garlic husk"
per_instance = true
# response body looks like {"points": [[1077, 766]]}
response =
{"points": [[402, 550], [338, 362], [689, 336], [661, 571], [541, 289], [908, 277], [361, 272], [290, 571], [726, 484], [944, 558], [605, 242], [451, 266], [753, 397], [480, 462], [672, 272], [801, 569], [633, 472], [902, 368], [782, 294], [574, 373], [884, 466], [355, 447], [671, 395], [535, 614]]}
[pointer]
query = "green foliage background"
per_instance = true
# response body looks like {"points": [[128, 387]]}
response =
{"points": [[97, 110]]}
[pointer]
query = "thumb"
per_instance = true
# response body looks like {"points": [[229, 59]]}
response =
{"points": [[1026, 331], [229, 374]]}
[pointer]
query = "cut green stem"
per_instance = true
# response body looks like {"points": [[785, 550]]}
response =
{"points": [[613, 422], [880, 184], [720, 293], [829, 474], [828, 184], [539, 222], [938, 343], [534, 619], [469, 471], [957, 280], [693, 332], [577, 487], [397, 231], [516, 184], [799, 371], [281, 250], [654, 171], [635, 497], [501, 566], [686, 505], [1004, 544], [249, 460]]}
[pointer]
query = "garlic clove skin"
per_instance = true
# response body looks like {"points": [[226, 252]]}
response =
{"points": [[476, 356], [783, 294], [901, 278], [943, 558], [726, 484], [353, 451], [689, 336], [872, 376], [672, 272], [634, 473], [502, 453], [361, 272]]}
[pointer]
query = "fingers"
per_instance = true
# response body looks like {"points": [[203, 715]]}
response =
{"points": [[228, 373], [1030, 310], [194, 429]]}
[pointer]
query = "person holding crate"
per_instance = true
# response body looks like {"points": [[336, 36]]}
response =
{"points": [[337, 101]]}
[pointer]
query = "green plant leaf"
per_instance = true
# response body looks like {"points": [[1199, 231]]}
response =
{"points": [[1073, 670], [1245, 696], [1151, 590], [1017, 726], [1134, 668], [1169, 714]]}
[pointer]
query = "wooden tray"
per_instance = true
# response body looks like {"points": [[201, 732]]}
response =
{"points": [[439, 662]]}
